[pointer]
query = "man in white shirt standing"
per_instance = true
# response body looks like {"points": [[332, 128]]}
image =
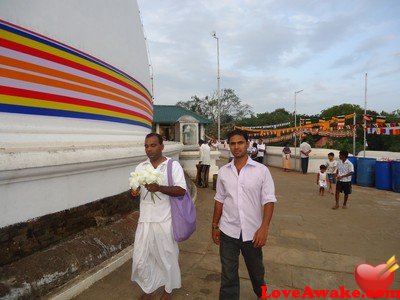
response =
{"points": [[344, 171], [260, 151], [205, 162], [244, 203], [155, 253], [305, 150]]}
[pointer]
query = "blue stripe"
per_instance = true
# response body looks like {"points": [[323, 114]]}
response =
{"points": [[65, 49], [66, 114]]}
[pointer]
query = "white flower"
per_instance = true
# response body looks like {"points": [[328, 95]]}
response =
{"points": [[134, 181], [148, 175]]}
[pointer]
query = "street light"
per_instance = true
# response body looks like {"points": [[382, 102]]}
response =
{"points": [[295, 132], [214, 35]]}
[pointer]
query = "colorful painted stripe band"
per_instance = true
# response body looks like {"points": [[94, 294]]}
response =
{"points": [[41, 76]]}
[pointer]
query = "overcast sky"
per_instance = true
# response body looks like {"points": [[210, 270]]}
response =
{"points": [[269, 49]]}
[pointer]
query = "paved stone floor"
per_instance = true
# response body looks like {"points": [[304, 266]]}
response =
{"points": [[309, 243]]}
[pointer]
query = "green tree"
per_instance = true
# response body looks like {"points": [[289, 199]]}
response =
{"points": [[278, 116], [342, 109], [231, 108]]}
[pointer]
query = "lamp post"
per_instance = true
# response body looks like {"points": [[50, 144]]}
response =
{"points": [[365, 113], [214, 35], [295, 131]]}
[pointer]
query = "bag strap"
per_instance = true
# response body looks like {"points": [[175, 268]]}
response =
{"points": [[169, 172]]}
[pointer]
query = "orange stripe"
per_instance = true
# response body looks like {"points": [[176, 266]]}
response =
{"points": [[60, 74], [65, 85]]}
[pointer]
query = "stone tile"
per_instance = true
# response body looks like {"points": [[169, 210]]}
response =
{"points": [[199, 283], [287, 217], [348, 281], [278, 274], [316, 279], [187, 260], [298, 243], [311, 259], [301, 234], [210, 262]]}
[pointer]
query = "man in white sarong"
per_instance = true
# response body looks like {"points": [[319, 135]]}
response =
{"points": [[155, 254]]}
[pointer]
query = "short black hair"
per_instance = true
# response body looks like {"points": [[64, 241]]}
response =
{"points": [[201, 142], [331, 154], [322, 167], [238, 132], [159, 137], [344, 153]]}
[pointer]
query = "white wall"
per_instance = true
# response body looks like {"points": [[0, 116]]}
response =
{"points": [[380, 154], [318, 157], [39, 182], [50, 163]]}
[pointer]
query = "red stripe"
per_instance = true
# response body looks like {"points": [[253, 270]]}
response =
{"points": [[55, 42], [39, 53], [5, 90]]}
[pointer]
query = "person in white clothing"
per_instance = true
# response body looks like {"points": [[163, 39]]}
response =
{"points": [[155, 254], [305, 150], [260, 151], [331, 166], [243, 208], [205, 162], [344, 171], [322, 179]]}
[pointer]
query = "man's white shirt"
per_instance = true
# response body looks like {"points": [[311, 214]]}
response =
{"points": [[159, 211], [243, 196], [344, 168], [205, 154]]}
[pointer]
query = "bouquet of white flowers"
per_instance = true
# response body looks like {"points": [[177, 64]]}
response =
{"points": [[147, 175]]}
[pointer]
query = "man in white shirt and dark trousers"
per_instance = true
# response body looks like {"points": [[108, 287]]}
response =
{"points": [[244, 203], [205, 161], [344, 171], [305, 150], [260, 151]]}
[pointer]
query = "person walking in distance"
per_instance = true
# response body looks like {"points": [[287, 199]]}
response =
{"points": [[305, 150], [331, 165], [344, 171], [243, 208], [322, 181], [286, 158], [261, 149], [205, 161]]}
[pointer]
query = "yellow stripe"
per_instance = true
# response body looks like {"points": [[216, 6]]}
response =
{"points": [[5, 99], [37, 45], [394, 268], [391, 260]]}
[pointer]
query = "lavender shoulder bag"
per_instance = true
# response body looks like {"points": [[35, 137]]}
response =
{"points": [[183, 211]]}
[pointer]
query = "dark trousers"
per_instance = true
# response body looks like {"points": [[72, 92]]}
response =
{"points": [[229, 251], [304, 164], [205, 170]]}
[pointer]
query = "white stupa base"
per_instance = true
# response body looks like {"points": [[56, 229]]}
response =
{"points": [[42, 180]]}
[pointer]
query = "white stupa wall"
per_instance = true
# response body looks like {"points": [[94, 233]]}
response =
{"points": [[75, 103], [109, 31]]}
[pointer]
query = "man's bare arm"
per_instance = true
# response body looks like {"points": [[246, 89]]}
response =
{"points": [[260, 237], [215, 232], [174, 191]]}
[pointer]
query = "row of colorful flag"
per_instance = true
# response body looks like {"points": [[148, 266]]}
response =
{"points": [[287, 137], [333, 124]]}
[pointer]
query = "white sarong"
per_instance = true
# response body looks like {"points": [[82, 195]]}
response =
{"points": [[155, 257]]}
